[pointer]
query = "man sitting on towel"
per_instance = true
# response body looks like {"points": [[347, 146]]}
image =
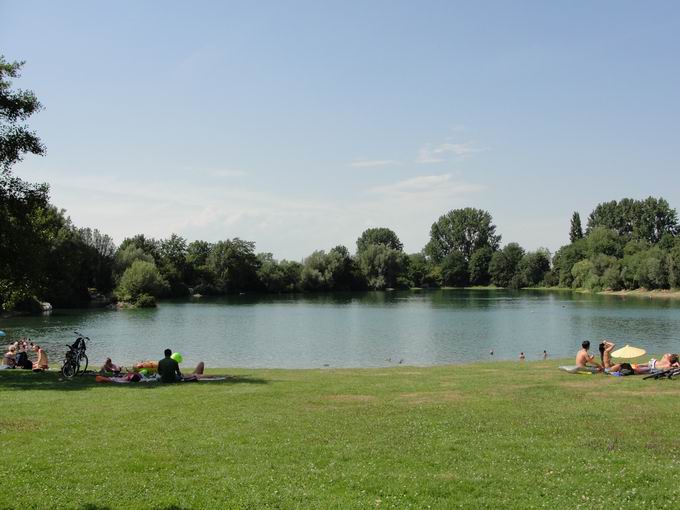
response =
{"points": [[169, 371], [586, 360]]}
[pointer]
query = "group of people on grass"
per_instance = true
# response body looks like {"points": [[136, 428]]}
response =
{"points": [[167, 369], [587, 361], [18, 356], [19, 353]]}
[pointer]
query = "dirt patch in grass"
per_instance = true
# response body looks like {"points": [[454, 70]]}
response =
{"points": [[431, 397], [587, 382], [17, 425], [350, 398]]}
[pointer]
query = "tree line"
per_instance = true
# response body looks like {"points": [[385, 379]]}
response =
{"points": [[44, 257]]}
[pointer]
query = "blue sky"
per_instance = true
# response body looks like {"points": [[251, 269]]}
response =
{"points": [[299, 124]]}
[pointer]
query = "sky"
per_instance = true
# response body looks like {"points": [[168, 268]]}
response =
{"points": [[299, 124]]}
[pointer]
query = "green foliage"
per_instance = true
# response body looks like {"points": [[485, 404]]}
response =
{"points": [[478, 266], [565, 258], [504, 264], [382, 266], [576, 230], [650, 269], [584, 275], [126, 255], [648, 219], [418, 269], [533, 267], [234, 265], [381, 235], [142, 277], [463, 230], [673, 264], [145, 301], [278, 277], [454, 269], [604, 240], [16, 139]]}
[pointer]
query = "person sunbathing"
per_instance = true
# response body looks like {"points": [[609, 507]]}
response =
{"points": [[9, 360], [586, 360], [41, 365], [606, 349], [110, 366], [666, 362]]}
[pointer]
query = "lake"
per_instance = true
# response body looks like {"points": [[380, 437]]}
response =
{"points": [[371, 329]]}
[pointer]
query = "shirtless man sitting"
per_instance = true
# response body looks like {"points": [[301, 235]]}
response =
{"points": [[41, 365], [586, 360]]}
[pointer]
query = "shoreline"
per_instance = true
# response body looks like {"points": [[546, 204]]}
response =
{"points": [[644, 293]]}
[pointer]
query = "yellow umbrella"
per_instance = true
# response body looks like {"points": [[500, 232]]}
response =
{"points": [[628, 352]]}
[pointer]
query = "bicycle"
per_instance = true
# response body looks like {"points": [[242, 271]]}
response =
{"points": [[75, 360]]}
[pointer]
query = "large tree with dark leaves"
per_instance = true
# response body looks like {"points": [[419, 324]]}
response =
{"points": [[20, 202]]}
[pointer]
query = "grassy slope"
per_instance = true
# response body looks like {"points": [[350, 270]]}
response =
{"points": [[504, 435]]}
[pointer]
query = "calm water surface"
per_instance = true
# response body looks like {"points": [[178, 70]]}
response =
{"points": [[360, 329]]}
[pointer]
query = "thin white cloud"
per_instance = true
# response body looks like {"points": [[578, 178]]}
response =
{"points": [[366, 163], [442, 184], [430, 153], [226, 173]]}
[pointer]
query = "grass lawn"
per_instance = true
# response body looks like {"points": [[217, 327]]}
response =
{"points": [[492, 435]]}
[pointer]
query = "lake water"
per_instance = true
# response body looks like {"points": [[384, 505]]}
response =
{"points": [[360, 329]]}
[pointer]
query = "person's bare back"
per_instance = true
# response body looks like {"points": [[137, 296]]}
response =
{"points": [[584, 358]]}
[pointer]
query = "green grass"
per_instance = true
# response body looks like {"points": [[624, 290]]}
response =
{"points": [[493, 435]]}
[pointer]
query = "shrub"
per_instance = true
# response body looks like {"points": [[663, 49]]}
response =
{"points": [[145, 301], [141, 277]]}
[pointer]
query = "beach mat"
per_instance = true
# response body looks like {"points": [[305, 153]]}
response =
{"points": [[575, 369]]}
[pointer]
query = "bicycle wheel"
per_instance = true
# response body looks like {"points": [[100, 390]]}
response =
{"points": [[82, 363], [69, 369]]}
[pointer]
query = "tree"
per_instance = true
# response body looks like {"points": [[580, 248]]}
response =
{"points": [[16, 139], [533, 267], [464, 230], [100, 253], [503, 266], [316, 275], [269, 273], [478, 266], [454, 270], [172, 263], [199, 275], [141, 279], [382, 266], [576, 231], [125, 256], [234, 264], [602, 240], [673, 263], [418, 269], [381, 235], [564, 260], [657, 219], [148, 245], [23, 246], [340, 266], [648, 219]]}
